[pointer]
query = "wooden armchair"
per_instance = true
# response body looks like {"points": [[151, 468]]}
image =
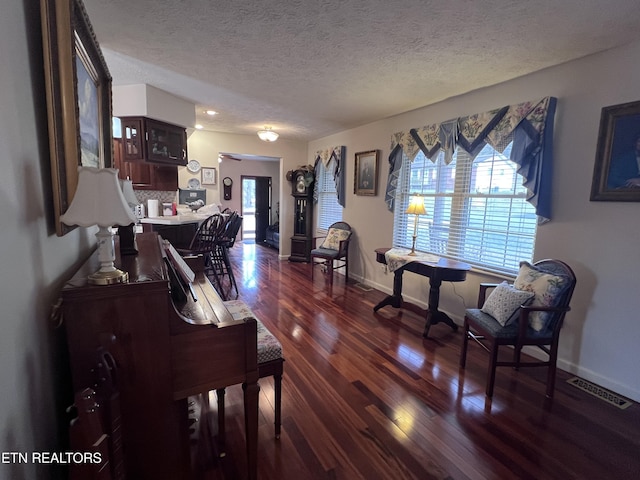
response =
{"points": [[334, 248], [535, 319]]}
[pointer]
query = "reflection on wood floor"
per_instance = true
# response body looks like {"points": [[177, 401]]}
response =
{"points": [[366, 397]]}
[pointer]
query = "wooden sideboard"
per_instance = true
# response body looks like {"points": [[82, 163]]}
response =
{"points": [[164, 351]]}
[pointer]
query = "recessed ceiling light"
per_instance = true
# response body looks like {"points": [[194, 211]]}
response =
{"points": [[199, 127], [211, 112]]}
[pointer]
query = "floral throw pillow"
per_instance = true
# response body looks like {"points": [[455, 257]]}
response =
{"points": [[547, 289], [503, 301], [334, 237]]}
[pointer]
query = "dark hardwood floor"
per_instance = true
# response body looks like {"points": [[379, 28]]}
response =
{"points": [[366, 397]]}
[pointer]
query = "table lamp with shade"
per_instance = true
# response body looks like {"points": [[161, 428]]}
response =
{"points": [[416, 208], [99, 201]]}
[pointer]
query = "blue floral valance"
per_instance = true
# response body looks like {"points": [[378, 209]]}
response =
{"points": [[325, 156], [529, 124]]}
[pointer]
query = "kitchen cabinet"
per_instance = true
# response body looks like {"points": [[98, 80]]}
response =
{"points": [[153, 141], [143, 175], [150, 152]]}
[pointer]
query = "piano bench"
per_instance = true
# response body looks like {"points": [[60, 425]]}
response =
{"points": [[270, 363]]}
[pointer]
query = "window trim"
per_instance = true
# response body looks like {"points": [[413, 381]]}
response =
{"points": [[325, 180], [455, 182]]}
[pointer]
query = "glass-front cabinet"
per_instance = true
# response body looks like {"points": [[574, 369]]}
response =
{"points": [[153, 141], [166, 143], [135, 140], [132, 135]]}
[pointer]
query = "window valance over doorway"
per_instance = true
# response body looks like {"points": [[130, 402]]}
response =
{"points": [[325, 156], [529, 125]]}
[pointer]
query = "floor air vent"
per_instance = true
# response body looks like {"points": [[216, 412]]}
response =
{"points": [[602, 393]]}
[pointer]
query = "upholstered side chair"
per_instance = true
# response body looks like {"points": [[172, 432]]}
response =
{"points": [[333, 252], [529, 312]]}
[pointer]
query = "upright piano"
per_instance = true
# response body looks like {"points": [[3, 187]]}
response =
{"points": [[165, 351]]}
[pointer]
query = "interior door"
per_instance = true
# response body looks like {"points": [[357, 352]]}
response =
{"points": [[263, 207]]}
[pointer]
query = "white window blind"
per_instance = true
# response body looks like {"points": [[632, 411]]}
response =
{"points": [[476, 210], [329, 210]]}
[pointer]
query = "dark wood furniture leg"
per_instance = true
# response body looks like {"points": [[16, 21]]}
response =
{"points": [[251, 391], [434, 315], [277, 384], [275, 369], [272, 368], [222, 431], [394, 300]]}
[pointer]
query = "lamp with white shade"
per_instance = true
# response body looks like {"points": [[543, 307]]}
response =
{"points": [[416, 208], [99, 200], [128, 192], [268, 135]]}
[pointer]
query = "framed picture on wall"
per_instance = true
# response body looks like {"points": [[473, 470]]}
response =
{"points": [[208, 176], [366, 176], [616, 174], [78, 87]]}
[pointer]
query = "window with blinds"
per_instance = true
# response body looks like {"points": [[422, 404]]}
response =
{"points": [[329, 210], [476, 209]]}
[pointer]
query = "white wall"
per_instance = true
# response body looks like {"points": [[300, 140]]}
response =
{"points": [[33, 261], [205, 146], [598, 239], [234, 170], [147, 101]]}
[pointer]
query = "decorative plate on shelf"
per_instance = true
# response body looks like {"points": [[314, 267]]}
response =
{"points": [[193, 183], [193, 166]]}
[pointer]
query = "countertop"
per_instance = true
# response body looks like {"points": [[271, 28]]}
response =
{"points": [[176, 219]]}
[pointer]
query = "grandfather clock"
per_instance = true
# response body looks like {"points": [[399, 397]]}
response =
{"points": [[302, 191]]}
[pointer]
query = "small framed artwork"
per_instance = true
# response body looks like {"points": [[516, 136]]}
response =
{"points": [[366, 176], [616, 174], [78, 87], [208, 176]]}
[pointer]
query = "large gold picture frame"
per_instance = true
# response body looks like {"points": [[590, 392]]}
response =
{"points": [[78, 86]]}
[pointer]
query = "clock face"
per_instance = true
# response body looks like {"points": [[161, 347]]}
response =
{"points": [[227, 181], [300, 186], [193, 166]]}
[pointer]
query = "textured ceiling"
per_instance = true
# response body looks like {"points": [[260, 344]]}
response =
{"points": [[310, 68]]}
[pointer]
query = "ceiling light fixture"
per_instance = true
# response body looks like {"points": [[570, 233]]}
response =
{"points": [[211, 112], [268, 135]]}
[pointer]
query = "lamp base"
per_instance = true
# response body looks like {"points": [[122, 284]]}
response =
{"points": [[108, 277], [413, 253]]}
